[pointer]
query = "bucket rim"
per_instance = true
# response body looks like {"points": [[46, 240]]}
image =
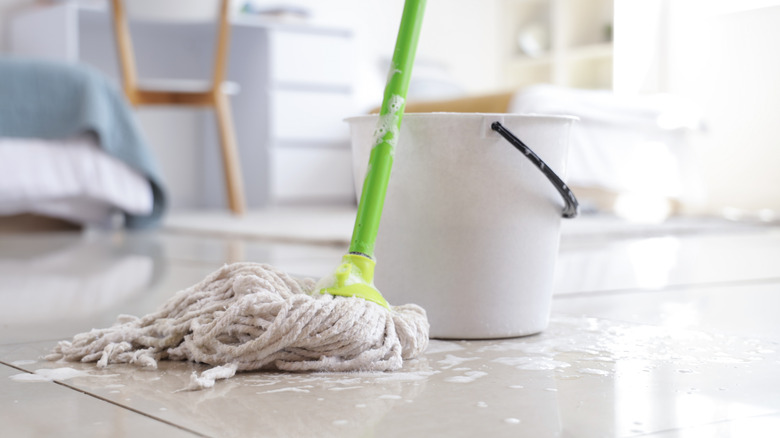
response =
{"points": [[559, 117]]}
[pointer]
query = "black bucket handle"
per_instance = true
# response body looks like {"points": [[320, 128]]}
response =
{"points": [[571, 210]]}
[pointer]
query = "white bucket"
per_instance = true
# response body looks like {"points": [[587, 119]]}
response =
{"points": [[470, 228]]}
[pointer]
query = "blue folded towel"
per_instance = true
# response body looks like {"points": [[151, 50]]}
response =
{"points": [[54, 100]]}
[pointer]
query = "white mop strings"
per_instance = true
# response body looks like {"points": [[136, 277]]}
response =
{"points": [[248, 316]]}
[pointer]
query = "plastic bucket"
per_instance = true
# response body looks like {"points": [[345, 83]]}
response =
{"points": [[470, 227]]}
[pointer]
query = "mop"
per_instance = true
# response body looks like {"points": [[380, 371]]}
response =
{"points": [[249, 316]]}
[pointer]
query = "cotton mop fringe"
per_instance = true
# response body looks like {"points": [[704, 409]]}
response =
{"points": [[248, 316]]}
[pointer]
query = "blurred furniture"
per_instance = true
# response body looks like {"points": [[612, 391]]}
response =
{"points": [[625, 152], [70, 149], [29, 223], [212, 94], [482, 103], [296, 81]]}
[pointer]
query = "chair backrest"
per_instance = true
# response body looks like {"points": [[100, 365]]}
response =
{"points": [[173, 11]]}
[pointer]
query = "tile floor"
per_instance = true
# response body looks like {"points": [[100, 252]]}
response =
{"points": [[663, 331]]}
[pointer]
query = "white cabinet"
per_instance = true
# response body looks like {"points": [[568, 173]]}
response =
{"points": [[310, 58], [296, 89], [309, 94], [561, 42]]}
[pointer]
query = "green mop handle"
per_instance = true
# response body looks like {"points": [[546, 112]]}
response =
{"points": [[372, 198]]}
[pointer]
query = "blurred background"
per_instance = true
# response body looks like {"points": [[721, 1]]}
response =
{"points": [[677, 98]]}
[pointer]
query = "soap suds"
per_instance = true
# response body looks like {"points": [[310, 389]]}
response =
{"points": [[387, 126], [343, 388], [450, 361], [272, 391], [532, 363], [210, 376], [467, 378], [436, 346], [405, 377], [48, 375], [594, 371], [261, 384], [337, 381]]}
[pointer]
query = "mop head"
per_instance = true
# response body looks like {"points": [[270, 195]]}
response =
{"points": [[249, 316]]}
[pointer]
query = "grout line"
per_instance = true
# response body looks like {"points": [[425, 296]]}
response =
{"points": [[2, 362], [161, 420], [670, 287], [119, 405]]}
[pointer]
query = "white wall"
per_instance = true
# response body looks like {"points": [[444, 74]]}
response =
{"points": [[459, 36], [723, 55], [727, 59]]}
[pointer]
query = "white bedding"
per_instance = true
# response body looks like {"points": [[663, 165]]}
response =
{"points": [[636, 144], [71, 179]]}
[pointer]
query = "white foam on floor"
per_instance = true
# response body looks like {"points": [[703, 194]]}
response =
{"points": [[48, 375]]}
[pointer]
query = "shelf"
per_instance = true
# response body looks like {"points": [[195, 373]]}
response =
{"points": [[520, 61], [523, 75], [589, 73], [583, 53], [591, 51], [575, 35]]}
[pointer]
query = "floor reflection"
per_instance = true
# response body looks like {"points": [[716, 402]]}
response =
{"points": [[61, 278]]}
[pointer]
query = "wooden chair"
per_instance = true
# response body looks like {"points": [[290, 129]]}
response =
{"points": [[213, 95]]}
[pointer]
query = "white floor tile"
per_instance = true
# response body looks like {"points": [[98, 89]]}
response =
{"points": [[595, 264], [764, 426], [57, 303], [742, 309], [581, 377], [664, 332], [324, 225], [43, 409]]}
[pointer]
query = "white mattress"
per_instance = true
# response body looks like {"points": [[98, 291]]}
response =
{"points": [[626, 144], [71, 179]]}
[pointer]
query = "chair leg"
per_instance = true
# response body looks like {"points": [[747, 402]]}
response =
{"points": [[231, 165]]}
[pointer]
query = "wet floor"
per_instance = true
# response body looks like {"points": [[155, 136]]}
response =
{"points": [[662, 331]]}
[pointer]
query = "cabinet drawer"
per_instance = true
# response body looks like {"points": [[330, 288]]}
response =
{"points": [[305, 174], [311, 59], [310, 116]]}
